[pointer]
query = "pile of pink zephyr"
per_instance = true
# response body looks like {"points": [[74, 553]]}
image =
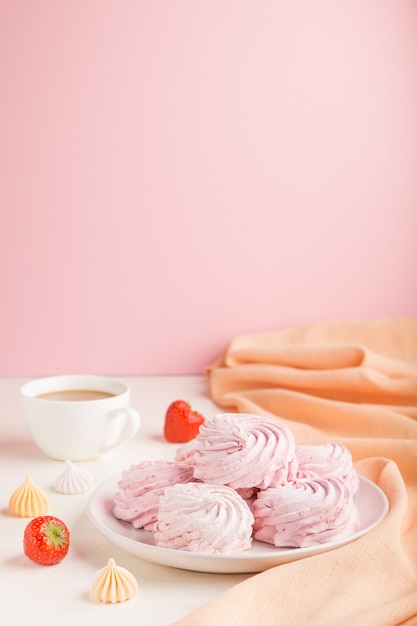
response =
{"points": [[242, 478]]}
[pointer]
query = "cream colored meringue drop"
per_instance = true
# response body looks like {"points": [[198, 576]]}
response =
{"points": [[28, 500], [73, 480], [113, 584]]}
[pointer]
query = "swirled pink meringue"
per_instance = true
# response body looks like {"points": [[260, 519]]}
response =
{"points": [[244, 451], [141, 487], [325, 461], [305, 513], [199, 517], [185, 452]]}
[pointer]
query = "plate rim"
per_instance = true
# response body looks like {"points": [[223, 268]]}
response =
{"points": [[242, 562]]}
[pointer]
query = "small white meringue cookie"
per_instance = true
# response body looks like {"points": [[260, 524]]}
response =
{"points": [[73, 480]]}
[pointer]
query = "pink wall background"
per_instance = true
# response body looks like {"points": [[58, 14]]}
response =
{"points": [[176, 172]]}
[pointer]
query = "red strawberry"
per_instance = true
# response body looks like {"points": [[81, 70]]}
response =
{"points": [[181, 422], [46, 540]]}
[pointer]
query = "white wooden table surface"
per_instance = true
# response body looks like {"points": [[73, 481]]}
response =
{"points": [[38, 595]]}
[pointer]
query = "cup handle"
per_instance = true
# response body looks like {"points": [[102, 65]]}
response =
{"points": [[129, 430]]}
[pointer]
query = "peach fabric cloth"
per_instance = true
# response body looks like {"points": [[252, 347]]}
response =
{"points": [[353, 382]]}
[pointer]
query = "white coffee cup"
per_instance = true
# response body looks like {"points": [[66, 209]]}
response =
{"points": [[78, 417]]}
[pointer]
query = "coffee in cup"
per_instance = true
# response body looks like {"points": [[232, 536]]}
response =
{"points": [[78, 417]]}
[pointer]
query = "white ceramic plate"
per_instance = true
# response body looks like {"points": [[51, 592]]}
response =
{"points": [[371, 501]]}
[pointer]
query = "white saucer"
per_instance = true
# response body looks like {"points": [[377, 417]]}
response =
{"points": [[371, 501]]}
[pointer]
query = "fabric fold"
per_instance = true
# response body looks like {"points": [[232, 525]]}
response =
{"points": [[354, 382]]}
